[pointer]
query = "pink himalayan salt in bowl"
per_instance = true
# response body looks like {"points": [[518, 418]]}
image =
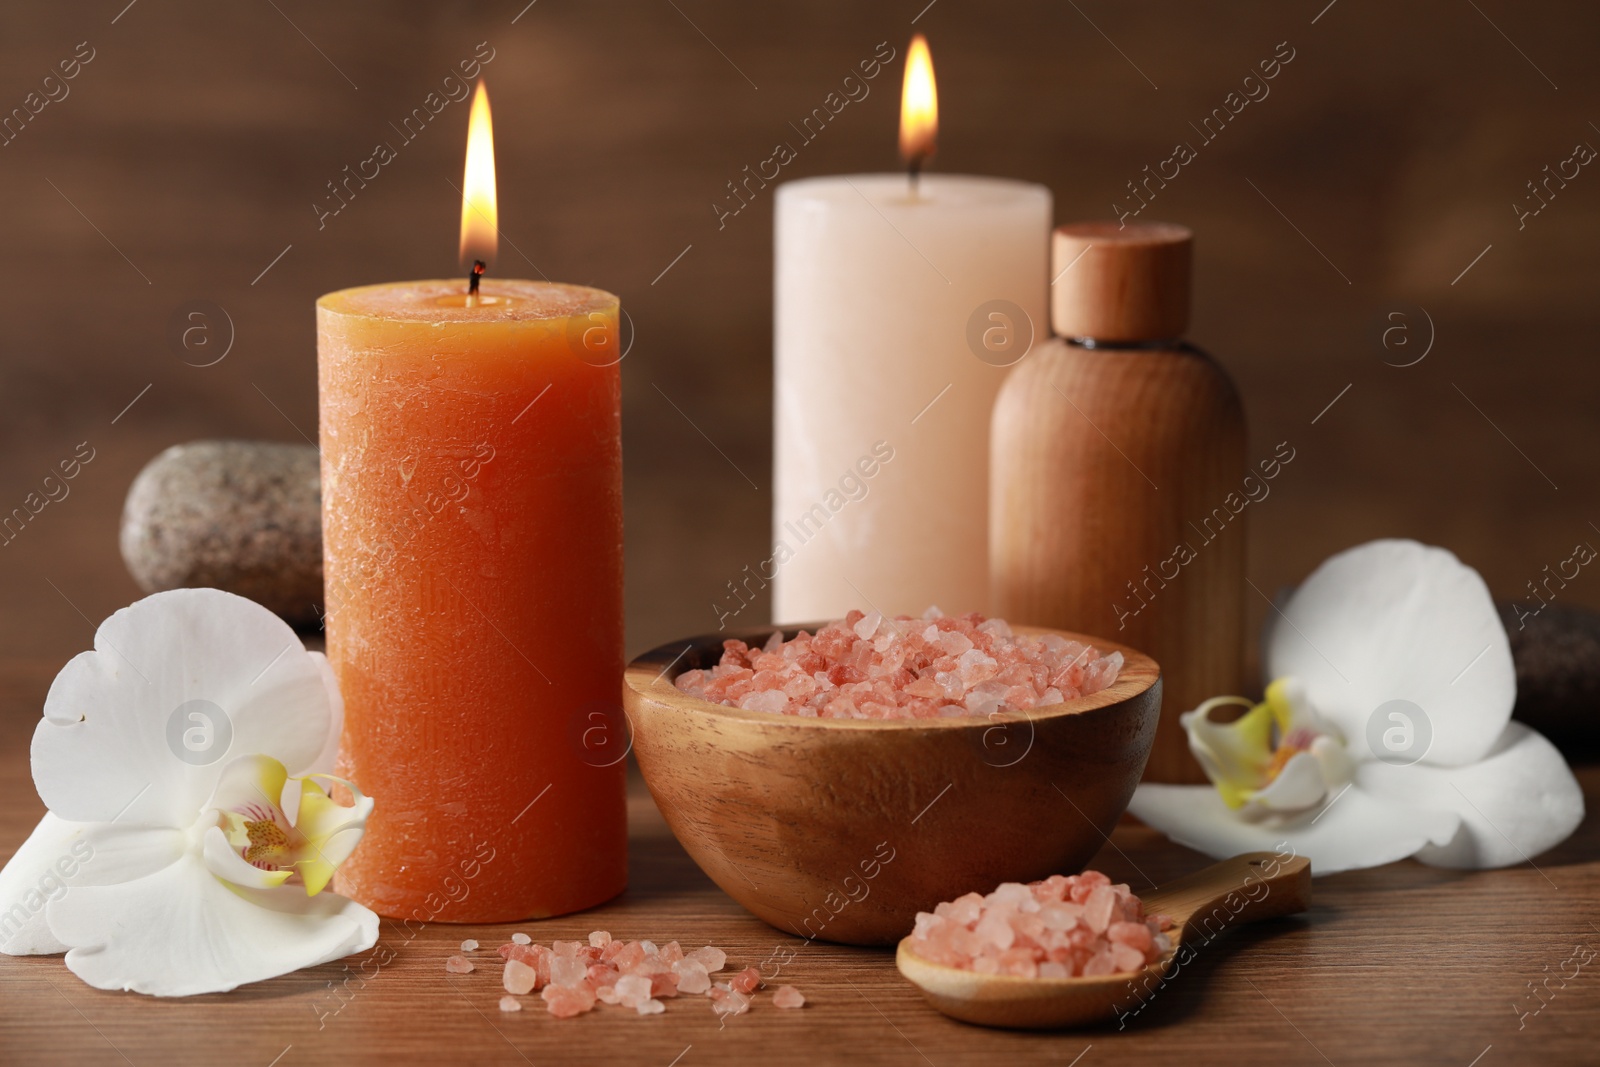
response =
{"points": [[866, 666], [843, 829], [1072, 926]]}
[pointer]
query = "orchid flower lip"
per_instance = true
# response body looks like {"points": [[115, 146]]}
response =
{"points": [[1278, 757], [283, 827]]}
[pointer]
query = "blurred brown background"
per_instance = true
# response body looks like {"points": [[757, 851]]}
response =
{"points": [[186, 157]]}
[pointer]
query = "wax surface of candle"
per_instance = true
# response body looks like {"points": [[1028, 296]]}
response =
{"points": [[882, 404], [472, 525]]}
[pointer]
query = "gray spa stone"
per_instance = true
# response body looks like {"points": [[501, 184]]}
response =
{"points": [[244, 516]]}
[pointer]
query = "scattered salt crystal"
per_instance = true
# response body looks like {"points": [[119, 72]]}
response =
{"points": [[729, 1002], [567, 1001], [567, 970], [522, 939], [774, 642], [692, 976], [627, 957], [538, 957], [519, 978], [632, 989], [867, 625], [469, 945], [713, 959], [573, 976], [1060, 927], [788, 996]]}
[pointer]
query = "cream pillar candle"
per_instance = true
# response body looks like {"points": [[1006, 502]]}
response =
{"points": [[885, 298]]}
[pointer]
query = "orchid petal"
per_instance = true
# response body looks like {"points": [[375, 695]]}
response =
{"points": [[1234, 755], [249, 782], [105, 748], [1354, 830], [182, 931], [59, 856], [115, 853], [1518, 801], [331, 830], [28, 880], [1394, 620]]}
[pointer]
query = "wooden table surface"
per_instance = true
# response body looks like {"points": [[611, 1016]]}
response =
{"points": [[1370, 192], [1404, 965]]}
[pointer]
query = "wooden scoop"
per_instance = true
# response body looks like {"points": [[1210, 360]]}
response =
{"points": [[1246, 888]]}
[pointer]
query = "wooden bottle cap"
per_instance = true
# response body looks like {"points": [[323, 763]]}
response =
{"points": [[1128, 283]]}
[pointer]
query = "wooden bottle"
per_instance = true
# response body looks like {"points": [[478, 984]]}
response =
{"points": [[1116, 452]]}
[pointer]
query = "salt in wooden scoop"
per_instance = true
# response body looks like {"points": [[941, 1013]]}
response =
{"points": [[1244, 889]]}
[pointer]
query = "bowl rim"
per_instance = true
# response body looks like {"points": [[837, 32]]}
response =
{"points": [[651, 676]]}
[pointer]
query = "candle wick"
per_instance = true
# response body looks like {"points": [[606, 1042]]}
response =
{"points": [[478, 267], [914, 171]]}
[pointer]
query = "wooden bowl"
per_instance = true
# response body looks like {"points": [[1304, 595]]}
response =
{"points": [[843, 829]]}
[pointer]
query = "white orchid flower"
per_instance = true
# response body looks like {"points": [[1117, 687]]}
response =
{"points": [[189, 837], [1386, 732]]}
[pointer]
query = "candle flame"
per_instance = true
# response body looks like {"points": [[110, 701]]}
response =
{"points": [[480, 225], [919, 106]]}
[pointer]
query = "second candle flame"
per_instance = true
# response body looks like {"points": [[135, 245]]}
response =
{"points": [[919, 106], [480, 223]]}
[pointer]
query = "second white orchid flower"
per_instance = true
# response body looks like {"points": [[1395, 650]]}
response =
{"points": [[1384, 734]]}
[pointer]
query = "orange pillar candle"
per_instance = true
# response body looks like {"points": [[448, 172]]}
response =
{"points": [[472, 542]]}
